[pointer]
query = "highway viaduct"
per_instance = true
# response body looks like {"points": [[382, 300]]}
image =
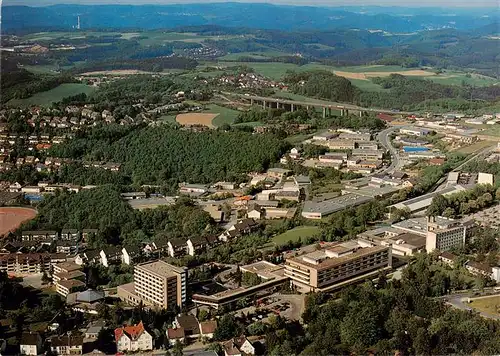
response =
{"points": [[292, 105]]}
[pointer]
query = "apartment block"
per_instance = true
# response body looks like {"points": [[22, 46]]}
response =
{"points": [[337, 265], [160, 284]]}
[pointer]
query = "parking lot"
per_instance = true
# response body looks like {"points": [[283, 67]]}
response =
{"points": [[488, 217], [290, 306]]}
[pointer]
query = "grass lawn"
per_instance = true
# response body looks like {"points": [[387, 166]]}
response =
{"points": [[168, 119], [489, 130], [48, 97], [367, 85], [42, 69], [226, 116], [295, 234], [296, 139], [456, 78], [490, 305], [255, 55], [475, 147], [252, 123]]}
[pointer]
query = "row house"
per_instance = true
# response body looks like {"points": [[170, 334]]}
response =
{"points": [[67, 345], [197, 245], [242, 227], [110, 255], [25, 263], [39, 235]]}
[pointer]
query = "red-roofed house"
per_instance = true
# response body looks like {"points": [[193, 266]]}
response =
{"points": [[133, 338]]}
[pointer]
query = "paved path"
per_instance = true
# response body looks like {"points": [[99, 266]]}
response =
{"points": [[459, 301]]}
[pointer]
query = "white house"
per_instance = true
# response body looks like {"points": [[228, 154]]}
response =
{"points": [[238, 346], [133, 338], [31, 343]]}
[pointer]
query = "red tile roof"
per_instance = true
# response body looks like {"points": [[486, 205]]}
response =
{"points": [[133, 332], [173, 334]]}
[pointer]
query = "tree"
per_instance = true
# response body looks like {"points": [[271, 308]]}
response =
{"points": [[227, 327], [438, 205], [449, 212]]}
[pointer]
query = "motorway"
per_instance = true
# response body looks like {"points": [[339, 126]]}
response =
{"points": [[326, 104]]}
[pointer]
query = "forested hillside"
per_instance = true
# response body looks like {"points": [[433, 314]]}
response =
{"points": [[165, 154], [103, 208], [401, 92]]}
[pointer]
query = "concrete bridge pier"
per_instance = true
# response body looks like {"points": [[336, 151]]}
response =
{"points": [[291, 107], [264, 104], [324, 112], [360, 113], [277, 105], [251, 102]]}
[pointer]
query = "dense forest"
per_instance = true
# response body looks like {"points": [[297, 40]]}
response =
{"points": [[19, 83], [169, 155], [103, 208]]}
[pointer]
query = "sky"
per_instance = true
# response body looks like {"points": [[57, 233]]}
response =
{"points": [[400, 3]]}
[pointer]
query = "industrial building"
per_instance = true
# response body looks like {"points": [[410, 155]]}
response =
{"points": [[320, 209], [422, 202]]}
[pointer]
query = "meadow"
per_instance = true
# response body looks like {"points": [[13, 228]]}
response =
{"points": [[295, 234], [48, 97]]}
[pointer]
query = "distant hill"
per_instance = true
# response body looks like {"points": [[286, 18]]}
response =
{"points": [[264, 16]]}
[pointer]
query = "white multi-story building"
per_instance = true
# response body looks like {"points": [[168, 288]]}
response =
{"points": [[161, 284]]}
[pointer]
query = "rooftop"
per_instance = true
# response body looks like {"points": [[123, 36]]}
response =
{"points": [[161, 268], [327, 257], [332, 205]]}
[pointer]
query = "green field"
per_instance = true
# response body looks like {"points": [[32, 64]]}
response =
{"points": [[457, 78], [168, 119], [277, 71], [295, 234], [226, 116], [48, 97], [490, 305], [254, 55], [251, 123], [42, 69], [475, 147]]}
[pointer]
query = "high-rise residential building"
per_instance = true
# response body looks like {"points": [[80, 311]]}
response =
{"points": [[444, 234], [334, 266], [160, 284]]}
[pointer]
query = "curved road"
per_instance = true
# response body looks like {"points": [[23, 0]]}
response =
{"points": [[383, 138]]}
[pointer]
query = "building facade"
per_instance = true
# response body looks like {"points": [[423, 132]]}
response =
{"points": [[161, 284], [444, 234], [324, 269]]}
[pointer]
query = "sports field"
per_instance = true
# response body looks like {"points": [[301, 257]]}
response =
{"points": [[191, 119], [12, 217], [48, 97], [295, 234]]}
